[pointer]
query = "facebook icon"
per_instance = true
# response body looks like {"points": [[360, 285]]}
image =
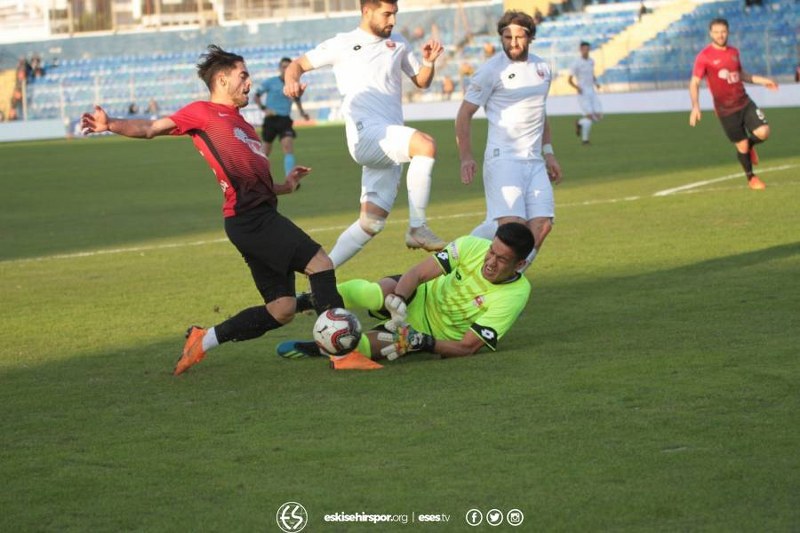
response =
{"points": [[474, 517]]}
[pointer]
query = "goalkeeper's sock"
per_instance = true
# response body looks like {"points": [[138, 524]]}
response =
{"points": [[418, 182], [361, 293], [364, 346], [349, 243], [248, 324], [485, 230], [323, 290], [288, 163]]}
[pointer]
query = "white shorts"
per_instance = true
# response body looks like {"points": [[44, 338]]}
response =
{"points": [[379, 145], [381, 149], [590, 103], [517, 188]]}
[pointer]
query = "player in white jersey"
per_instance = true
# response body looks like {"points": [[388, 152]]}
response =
{"points": [[519, 164], [368, 63], [582, 78]]}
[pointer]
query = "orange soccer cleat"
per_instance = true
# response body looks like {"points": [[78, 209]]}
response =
{"points": [[756, 184], [192, 351], [355, 360]]}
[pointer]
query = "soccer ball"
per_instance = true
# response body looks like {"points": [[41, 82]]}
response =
{"points": [[337, 331]]}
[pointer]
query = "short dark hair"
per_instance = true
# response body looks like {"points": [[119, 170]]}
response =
{"points": [[215, 60], [376, 2], [285, 60], [520, 19], [584, 43], [518, 237], [716, 21]]}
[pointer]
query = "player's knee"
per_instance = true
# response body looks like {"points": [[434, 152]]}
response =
{"points": [[423, 144], [282, 310], [372, 224], [319, 263], [762, 133]]}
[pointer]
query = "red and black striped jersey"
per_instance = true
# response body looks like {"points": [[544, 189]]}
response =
{"points": [[233, 150]]}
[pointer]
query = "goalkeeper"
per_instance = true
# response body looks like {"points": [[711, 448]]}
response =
{"points": [[453, 303]]}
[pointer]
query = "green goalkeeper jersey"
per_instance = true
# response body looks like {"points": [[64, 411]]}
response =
{"points": [[461, 299]]}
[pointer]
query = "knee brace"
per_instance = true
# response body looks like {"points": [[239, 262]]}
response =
{"points": [[372, 224]]}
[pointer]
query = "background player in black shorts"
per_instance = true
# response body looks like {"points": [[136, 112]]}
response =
{"points": [[744, 124], [277, 115], [273, 247]]}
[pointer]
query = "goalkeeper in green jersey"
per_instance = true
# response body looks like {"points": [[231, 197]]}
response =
{"points": [[453, 303]]}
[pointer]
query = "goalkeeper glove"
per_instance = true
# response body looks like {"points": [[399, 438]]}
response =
{"points": [[396, 305], [404, 340]]}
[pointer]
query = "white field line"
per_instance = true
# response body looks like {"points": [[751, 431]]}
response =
{"points": [[667, 192], [149, 248]]}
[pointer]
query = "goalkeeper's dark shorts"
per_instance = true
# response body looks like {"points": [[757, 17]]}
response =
{"points": [[273, 247]]}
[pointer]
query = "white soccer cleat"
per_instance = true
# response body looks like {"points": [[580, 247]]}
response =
{"points": [[423, 237]]}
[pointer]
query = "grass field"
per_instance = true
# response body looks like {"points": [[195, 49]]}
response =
{"points": [[651, 384]]}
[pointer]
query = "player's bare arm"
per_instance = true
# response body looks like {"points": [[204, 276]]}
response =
{"points": [[571, 81], [291, 78], [292, 182], [553, 167], [769, 83], [464, 141], [694, 94], [430, 52], [419, 274], [99, 121]]}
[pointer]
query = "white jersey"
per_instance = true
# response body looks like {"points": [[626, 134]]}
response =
{"points": [[583, 72], [514, 94], [368, 72]]}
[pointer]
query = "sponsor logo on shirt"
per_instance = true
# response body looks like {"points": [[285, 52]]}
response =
{"points": [[357, 47], [390, 43], [253, 144]]}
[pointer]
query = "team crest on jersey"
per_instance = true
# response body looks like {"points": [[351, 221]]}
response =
{"points": [[540, 71], [253, 144], [478, 301], [390, 43]]}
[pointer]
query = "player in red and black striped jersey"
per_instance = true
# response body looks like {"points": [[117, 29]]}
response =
{"points": [[743, 122], [273, 247]]}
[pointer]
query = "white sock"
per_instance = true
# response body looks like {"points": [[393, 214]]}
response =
{"points": [[349, 243], [528, 261], [418, 182], [586, 127], [210, 339], [485, 229]]}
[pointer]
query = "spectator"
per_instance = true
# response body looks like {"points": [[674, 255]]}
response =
{"points": [[37, 69], [2, 116], [642, 10], [538, 17], [133, 109], [448, 86], [465, 70], [488, 49], [152, 108], [797, 73], [552, 12]]}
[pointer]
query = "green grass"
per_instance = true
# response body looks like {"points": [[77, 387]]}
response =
{"points": [[652, 383]]}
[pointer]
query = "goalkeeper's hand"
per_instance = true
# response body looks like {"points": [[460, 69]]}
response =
{"points": [[406, 339], [396, 305]]}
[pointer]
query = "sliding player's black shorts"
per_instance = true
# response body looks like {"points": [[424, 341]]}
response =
{"points": [[273, 247], [738, 124]]}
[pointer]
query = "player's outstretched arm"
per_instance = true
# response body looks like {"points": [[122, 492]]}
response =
{"points": [[694, 94], [464, 141], [292, 182], [291, 78], [769, 83], [99, 121], [430, 52]]}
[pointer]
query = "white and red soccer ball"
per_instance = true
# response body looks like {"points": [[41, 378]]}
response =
{"points": [[337, 331]]}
